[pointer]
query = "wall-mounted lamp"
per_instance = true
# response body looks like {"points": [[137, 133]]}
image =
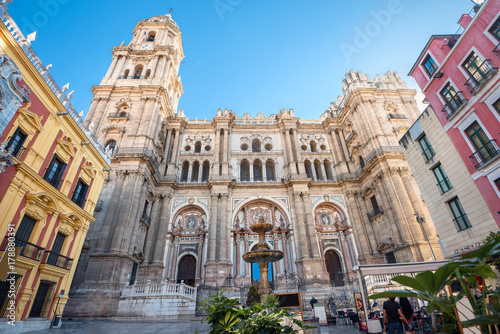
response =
{"points": [[60, 113], [85, 143]]}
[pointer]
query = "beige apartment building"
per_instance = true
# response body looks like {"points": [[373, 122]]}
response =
{"points": [[446, 185]]}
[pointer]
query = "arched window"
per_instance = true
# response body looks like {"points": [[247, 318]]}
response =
{"points": [[138, 71], [110, 147], [361, 162], [313, 146], [206, 171], [257, 170], [328, 170], [270, 170], [148, 73], [185, 171], [151, 36], [255, 145], [197, 147], [125, 74], [196, 172], [186, 271], [317, 169], [307, 165], [245, 171], [334, 268]]}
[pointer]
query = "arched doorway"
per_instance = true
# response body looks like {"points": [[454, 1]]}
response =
{"points": [[334, 267], [186, 270]]}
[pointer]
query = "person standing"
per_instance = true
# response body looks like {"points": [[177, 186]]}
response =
{"points": [[313, 301], [392, 314], [407, 309]]}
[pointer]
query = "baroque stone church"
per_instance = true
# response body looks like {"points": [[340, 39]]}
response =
{"points": [[178, 204]]}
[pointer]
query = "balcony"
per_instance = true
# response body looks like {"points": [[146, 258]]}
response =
{"points": [[57, 260], [454, 105], [481, 76], [28, 250], [377, 211], [145, 218], [496, 50], [486, 154]]}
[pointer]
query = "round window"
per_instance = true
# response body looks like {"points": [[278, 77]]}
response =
{"points": [[187, 148], [269, 147], [244, 147]]}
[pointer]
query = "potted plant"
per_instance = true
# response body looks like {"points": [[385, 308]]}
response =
{"points": [[435, 287]]}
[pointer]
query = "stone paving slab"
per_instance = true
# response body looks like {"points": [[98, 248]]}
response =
{"points": [[112, 327]]}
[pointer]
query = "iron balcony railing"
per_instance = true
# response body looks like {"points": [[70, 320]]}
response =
{"points": [[488, 152], [20, 152], [454, 105], [480, 76], [375, 212], [57, 260], [444, 185], [146, 218], [28, 250], [497, 49]]}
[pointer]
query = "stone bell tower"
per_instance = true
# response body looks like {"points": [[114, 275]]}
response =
{"points": [[130, 113]]}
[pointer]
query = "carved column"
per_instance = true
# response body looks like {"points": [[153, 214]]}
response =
{"points": [[154, 229], [286, 157], [414, 202], [367, 227], [216, 153], [358, 223], [302, 250], [212, 228], [300, 164], [117, 234], [174, 255], [223, 228], [163, 227], [386, 205], [313, 238], [291, 161], [119, 66]]}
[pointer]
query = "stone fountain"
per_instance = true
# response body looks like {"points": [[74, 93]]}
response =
{"points": [[263, 256]]}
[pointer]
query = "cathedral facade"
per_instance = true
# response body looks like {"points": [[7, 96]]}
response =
{"points": [[182, 195]]}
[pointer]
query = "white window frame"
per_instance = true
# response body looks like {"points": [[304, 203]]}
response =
{"points": [[422, 67], [467, 54], [487, 30]]}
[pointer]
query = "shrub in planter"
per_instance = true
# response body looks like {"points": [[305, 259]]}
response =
{"points": [[226, 316]]}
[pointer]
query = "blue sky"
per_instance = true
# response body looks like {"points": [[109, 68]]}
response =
{"points": [[247, 56]]}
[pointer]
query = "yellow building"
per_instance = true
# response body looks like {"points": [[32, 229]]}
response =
{"points": [[51, 173]]}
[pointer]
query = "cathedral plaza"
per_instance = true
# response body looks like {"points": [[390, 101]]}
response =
{"points": [[126, 219]]}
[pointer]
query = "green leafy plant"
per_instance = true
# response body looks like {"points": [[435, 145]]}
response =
{"points": [[225, 316], [253, 296], [431, 287]]}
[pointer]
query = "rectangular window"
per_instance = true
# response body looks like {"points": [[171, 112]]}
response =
{"points": [[484, 148], [452, 98], [16, 142], [80, 192], [375, 206], [55, 171], [497, 183], [459, 216], [496, 105], [426, 147], [56, 249], [495, 29], [476, 68], [442, 179], [23, 233], [429, 65]]}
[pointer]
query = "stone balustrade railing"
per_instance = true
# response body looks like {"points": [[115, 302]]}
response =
{"points": [[159, 290], [374, 281]]}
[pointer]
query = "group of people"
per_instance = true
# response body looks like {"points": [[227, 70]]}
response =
{"points": [[397, 314]]}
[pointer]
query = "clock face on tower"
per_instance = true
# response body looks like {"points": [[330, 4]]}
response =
{"points": [[146, 46]]}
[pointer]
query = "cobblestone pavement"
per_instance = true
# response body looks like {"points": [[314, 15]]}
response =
{"points": [[108, 327]]}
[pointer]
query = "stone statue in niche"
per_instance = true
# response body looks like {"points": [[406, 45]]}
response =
{"points": [[191, 223], [259, 213]]}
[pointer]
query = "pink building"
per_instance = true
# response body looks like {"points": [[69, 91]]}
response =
{"points": [[458, 73]]}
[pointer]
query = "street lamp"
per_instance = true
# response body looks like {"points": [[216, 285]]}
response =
{"points": [[421, 221]]}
